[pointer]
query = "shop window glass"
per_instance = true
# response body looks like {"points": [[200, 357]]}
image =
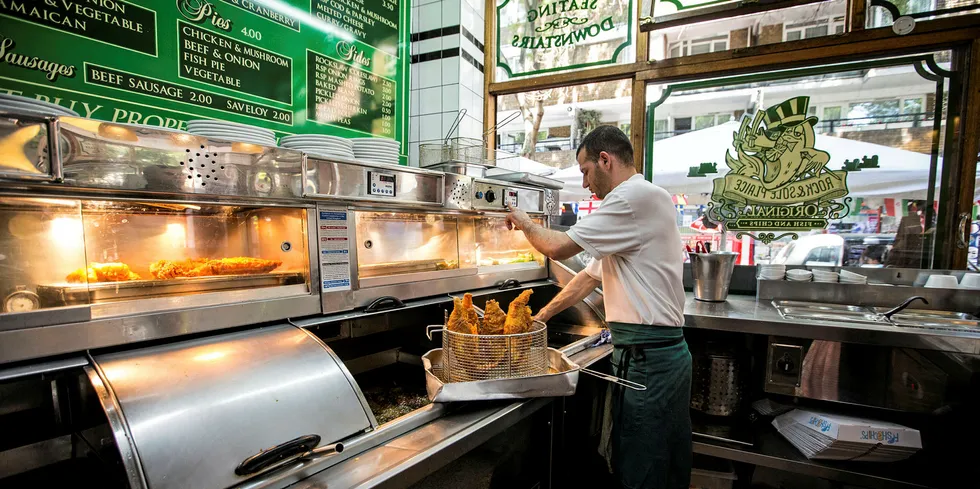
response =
{"points": [[703, 122], [828, 137], [537, 37], [660, 129], [773, 26], [565, 115], [682, 125], [884, 14]]}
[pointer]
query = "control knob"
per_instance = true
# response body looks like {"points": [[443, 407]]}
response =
{"points": [[490, 196]]}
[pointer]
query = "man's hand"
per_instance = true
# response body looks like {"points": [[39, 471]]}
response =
{"points": [[518, 219]]}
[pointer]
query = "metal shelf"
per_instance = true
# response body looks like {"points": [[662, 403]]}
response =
{"points": [[773, 451]]}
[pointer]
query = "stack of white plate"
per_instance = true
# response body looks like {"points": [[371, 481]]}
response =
{"points": [[825, 276], [319, 144], [772, 272], [232, 131], [30, 106], [852, 278], [798, 275], [377, 150]]}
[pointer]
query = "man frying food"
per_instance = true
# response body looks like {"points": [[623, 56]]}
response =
{"points": [[635, 248]]}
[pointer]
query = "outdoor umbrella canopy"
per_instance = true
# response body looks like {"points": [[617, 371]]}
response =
{"points": [[900, 171]]}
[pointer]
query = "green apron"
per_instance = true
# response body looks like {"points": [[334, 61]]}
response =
{"points": [[651, 434]]}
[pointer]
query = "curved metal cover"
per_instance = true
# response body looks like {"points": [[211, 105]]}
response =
{"points": [[197, 409]]}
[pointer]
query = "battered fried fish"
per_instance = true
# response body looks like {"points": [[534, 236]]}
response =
{"points": [[191, 267], [493, 319], [464, 318], [103, 272], [519, 315], [243, 265], [203, 267]]}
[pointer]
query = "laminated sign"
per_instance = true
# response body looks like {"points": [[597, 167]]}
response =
{"points": [[779, 179]]}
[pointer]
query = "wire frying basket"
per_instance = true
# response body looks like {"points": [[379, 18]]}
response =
{"points": [[472, 357]]}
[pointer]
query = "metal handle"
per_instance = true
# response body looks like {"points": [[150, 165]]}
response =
{"points": [[629, 384], [498, 125], [267, 458], [432, 328], [509, 284], [961, 240], [321, 451], [459, 118], [888, 315], [384, 303]]}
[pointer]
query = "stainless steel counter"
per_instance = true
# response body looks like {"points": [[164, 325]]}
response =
{"points": [[743, 314]]}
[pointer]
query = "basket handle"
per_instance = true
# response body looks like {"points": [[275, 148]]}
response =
{"points": [[432, 328], [629, 384]]}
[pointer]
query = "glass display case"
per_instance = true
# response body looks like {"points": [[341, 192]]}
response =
{"points": [[73, 252], [497, 248], [401, 244]]}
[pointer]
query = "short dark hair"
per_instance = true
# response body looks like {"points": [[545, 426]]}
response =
{"points": [[609, 139]]}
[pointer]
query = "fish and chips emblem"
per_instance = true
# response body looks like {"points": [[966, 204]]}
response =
{"points": [[778, 177]]}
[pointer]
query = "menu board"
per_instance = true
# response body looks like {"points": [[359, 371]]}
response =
{"points": [[336, 67]]}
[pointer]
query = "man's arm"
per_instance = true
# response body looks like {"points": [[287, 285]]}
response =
{"points": [[579, 288], [554, 244]]}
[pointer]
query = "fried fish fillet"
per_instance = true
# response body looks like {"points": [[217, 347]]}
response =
{"points": [[103, 272], [493, 319], [203, 267], [519, 315], [243, 265], [191, 267], [464, 318]]}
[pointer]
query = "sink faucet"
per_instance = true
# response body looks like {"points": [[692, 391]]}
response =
{"points": [[901, 307]]}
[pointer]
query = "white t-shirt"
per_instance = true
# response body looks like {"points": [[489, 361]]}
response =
{"points": [[635, 246]]}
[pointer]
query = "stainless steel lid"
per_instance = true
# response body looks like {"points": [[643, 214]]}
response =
{"points": [[193, 411]]}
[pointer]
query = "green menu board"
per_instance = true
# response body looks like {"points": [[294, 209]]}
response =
{"points": [[335, 67]]}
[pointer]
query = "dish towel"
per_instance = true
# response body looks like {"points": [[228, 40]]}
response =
{"points": [[605, 435]]}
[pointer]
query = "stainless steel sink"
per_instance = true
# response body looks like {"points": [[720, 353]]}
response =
{"points": [[923, 318], [912, 318], [826, 312]]}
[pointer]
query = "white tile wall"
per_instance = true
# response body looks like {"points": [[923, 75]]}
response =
{"points": [[450, 70], [430, 73], [450, 97], [413, 154], [429, 45], [413, 129], [450, 42], [450, 12], [430, 100], [441, 87], [430, 127], [430, 16]]}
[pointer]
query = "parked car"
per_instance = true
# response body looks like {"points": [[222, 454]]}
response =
{"points": [[836, 250]]}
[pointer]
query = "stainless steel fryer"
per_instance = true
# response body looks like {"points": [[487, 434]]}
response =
{"points": [[217, 411]]}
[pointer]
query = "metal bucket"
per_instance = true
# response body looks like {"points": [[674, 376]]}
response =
{"points": [[716, 384], [712, 274]]}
